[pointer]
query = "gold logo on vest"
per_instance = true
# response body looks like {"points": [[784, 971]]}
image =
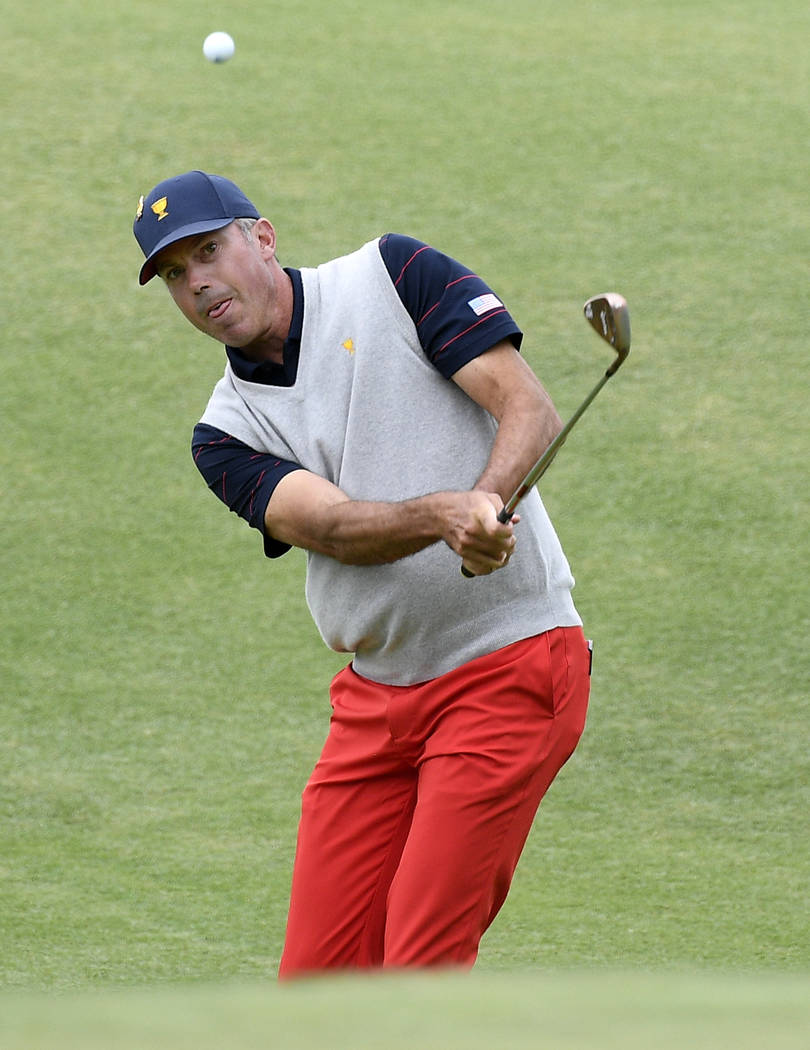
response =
{"points": [[348, 344]]}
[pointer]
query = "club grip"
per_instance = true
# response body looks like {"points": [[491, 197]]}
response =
{"points": [[504, 516]]}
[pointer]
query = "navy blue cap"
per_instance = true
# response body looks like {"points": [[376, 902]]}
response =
{"points": [[183, 206]]}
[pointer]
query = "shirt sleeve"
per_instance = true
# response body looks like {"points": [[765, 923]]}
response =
{"points": [[241, 477], [457, 315]]}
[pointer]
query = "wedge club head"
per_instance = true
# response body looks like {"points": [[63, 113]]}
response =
{"points": [[609, 316]]}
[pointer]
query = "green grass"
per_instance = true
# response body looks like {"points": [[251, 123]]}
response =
{"points": [[164, 691], [513, 1012]]}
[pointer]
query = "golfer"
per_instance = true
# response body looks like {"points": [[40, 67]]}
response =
{"points": [[375, 411]]}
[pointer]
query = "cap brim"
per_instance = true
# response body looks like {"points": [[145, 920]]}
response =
{"points": [[192, 229]]}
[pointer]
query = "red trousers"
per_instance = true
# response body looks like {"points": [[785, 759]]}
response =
{"points": [[417, 811]]}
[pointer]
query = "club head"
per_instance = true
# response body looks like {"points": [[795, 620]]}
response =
{"points": [[609, 316]]}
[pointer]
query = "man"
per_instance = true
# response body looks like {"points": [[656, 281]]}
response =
{"points": [[376, 412]]}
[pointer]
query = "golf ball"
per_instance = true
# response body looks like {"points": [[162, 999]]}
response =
{"points": [[218, 47]]}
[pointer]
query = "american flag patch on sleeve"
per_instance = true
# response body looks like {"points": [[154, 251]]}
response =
{"points": [[482, 304]]}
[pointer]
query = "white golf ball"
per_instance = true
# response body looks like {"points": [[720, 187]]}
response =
{"points": [[218, 47]]}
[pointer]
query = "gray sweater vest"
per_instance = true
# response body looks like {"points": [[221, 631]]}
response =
{"points": [[369, 412]]}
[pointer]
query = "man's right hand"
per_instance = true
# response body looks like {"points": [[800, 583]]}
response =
{"points": [[483, 542]]}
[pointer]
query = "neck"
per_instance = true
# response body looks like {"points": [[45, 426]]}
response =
{"points": [[269, 346]]}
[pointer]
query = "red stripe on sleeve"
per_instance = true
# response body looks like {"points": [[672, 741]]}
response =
{"points": [[210, 444], [427, 313], [255, 488], [408, 263], [483, 320]]}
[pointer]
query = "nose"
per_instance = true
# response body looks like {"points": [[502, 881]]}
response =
{"points": [[195, 276]]}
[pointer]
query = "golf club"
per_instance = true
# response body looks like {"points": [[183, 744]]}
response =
{"points": [[609, 316]]}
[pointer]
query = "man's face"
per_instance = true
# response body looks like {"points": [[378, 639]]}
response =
{"points": [[226, 283]]}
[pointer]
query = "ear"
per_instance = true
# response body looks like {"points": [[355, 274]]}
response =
{"points": [[265, 237]]}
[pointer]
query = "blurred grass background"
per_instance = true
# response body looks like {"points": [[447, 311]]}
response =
{"points": [[164, 691]]}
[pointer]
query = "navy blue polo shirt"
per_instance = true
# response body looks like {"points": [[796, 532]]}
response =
{"points": [[457, 317]]}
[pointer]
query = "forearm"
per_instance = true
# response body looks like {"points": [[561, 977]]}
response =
{"points": [[310, 512], [502, 383], [527, 426], [356, 532]]}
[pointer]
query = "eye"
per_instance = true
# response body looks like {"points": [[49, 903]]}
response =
{"points": [[171, 273], [210, 247]]}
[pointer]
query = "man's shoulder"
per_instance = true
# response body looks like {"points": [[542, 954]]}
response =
{"points": [[398, 250]]}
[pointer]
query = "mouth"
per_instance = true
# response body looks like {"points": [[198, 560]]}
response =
{"points": [[218, 309]]}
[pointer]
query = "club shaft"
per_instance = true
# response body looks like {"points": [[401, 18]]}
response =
{"points": [[545, 461]]}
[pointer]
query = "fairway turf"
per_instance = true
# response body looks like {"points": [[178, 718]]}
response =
{"points": [[164, 692], [510, 1012]]}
